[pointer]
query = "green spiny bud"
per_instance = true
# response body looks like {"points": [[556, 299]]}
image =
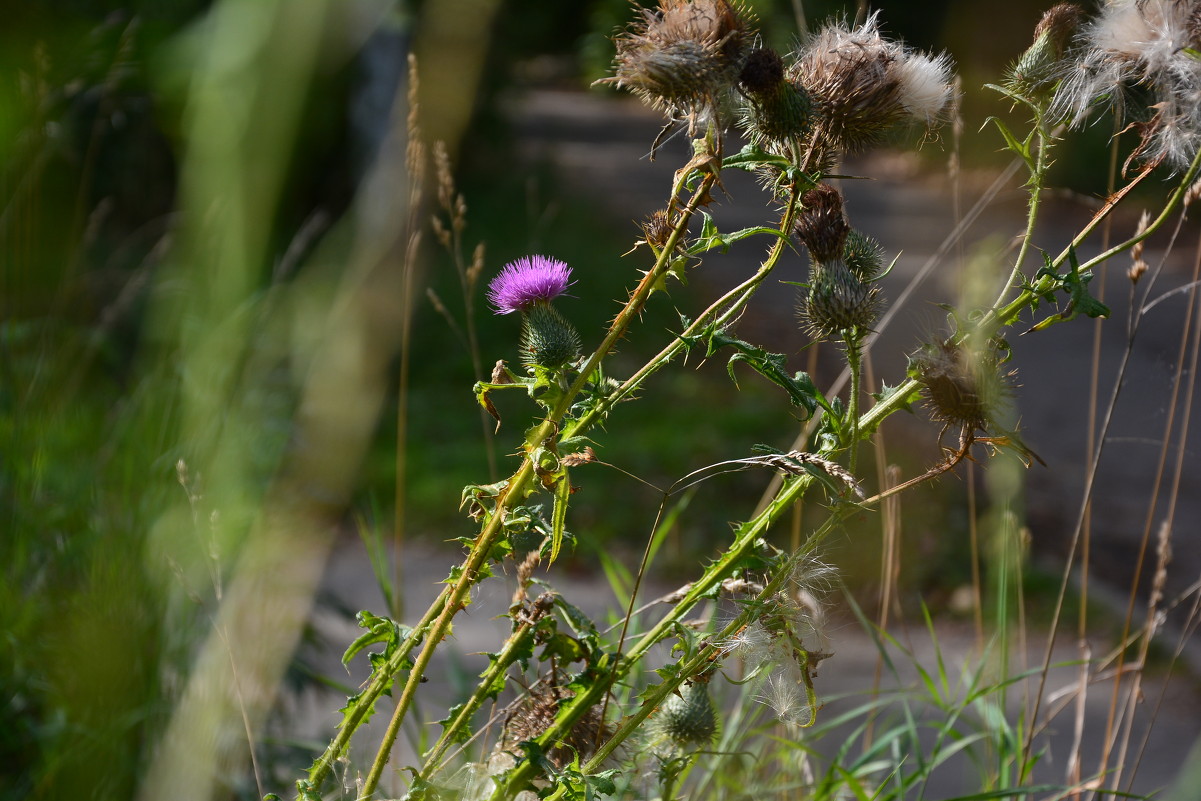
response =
{"points": [[778, 114], [688, 717], [838, 301], [1035, 69], [547, 339], [863, 255]]}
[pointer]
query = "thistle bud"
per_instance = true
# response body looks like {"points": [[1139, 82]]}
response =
{"points": [[688, 718], [1034, 72], [863, 255], [838, 301], [777, 113], [547, 339]]}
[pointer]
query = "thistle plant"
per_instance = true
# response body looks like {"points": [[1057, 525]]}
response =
{"points": [[588, 708]]}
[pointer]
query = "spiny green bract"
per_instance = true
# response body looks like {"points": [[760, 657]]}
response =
{"points": [[688, 717], [838, 301], [547, 339]]}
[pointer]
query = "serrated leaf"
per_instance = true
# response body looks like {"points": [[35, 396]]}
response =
{"points": [[378, 630], [579, 622], [802, 392], [710, 238], [565, 647], [463, 733], [1075, 283], [602, 782], [1020, 148], [559, 514]]}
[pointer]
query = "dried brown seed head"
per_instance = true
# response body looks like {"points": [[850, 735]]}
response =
{"points": [[822, 224]]}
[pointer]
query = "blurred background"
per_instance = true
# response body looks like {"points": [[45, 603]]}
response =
{"points": [[233, 343]]}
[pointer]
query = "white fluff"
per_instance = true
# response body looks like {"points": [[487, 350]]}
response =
{"points": [[924, 85]]}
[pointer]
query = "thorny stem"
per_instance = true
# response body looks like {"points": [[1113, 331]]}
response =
{"points": [[634, 305], [454, 601], [748, 535], [450, 601], [435, 623], [720, 313], [508, 655], [371, 693], [854, 345], [1042, 144], [524, 772]]}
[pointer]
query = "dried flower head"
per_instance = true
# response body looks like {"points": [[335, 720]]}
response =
{"points": [[657, 229], [822, 223], [528, 281], [862, 84], [762, 71], [1034, 72], [962, 386], [1151, 43], [683, 56], [536, 714]]}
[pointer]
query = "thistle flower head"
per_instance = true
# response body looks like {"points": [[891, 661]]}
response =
{"points": [[862, 84], [822, 223], [961, 385], [838, 301], [1146, 42], [684, 55], [528, 281]]}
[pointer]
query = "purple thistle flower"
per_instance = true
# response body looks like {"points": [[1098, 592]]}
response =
{"points": [[526, 281]]}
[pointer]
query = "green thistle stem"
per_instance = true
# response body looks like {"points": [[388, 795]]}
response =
{"points": [[454, 601], [1037, 175], [854, 343], [719, 313], [521, 775], [451, 600], [508, 655]]}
